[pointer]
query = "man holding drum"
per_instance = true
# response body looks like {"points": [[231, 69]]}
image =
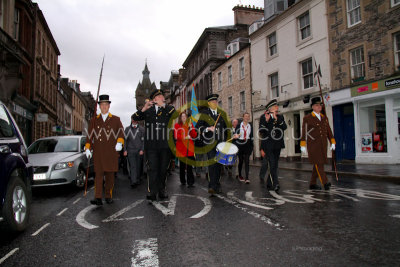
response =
{"points": [[213, 129]]}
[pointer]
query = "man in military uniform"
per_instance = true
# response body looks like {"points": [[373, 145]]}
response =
{"points": [[106, 138], [212, 134], [271, 129], [315, 134], [156, 115]]}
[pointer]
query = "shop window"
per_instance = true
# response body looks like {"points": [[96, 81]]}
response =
{"points": [[373, 128]]}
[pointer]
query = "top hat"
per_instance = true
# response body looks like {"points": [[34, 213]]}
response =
{"points": [[316, 100], [271, 103], [156, 93], [212, 97], [104, 98]]}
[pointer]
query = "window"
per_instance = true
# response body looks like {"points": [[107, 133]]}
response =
{"points": [[272, 47], [16, 23], [395, 2], [230, 103], [219, 81], [373, 127], [304, 26], [229, 75], [397, 50], [307, 73], [241, 67], [274, 85], [353, 12], [357, 64], [242, 102], [235, 48]]}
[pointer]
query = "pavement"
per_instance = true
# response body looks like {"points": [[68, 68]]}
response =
{"points": [[387, 172]]}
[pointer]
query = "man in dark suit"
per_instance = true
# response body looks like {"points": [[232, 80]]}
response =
{"points": [[271, 129], [156, 115], [213, 129]]}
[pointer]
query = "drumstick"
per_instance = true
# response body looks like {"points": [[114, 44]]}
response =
{"points": [[230, 139], [217, 120]]}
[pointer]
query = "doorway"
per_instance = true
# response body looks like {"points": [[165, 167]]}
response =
{"points": [[343, 122]]}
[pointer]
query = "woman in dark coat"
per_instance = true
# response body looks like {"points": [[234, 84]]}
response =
{"points": [[244, 142]]}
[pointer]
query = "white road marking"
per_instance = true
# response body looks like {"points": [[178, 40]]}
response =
{"points": [[80, 218], [9, 254], [395, 216], [231, 196], [252, 213], [76, 201], [170, 210], [41, 229], [61, 212], [115, 216], [145, 253], [1, 219]]}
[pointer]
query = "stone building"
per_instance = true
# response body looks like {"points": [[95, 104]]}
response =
{"points": [[64, 107], [364, 40], [232, 80], [17, 55], [79, 108], [45, 78], [209, 51], [144, 88], [285, 50]]}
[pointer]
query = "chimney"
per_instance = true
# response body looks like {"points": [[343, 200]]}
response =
{"points": [[247, 14]]}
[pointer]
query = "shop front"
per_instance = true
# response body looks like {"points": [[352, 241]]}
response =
{"points": [[377, 113]]}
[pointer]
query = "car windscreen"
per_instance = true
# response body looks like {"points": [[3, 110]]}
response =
{"points": [[54, 145], [6, 128]]}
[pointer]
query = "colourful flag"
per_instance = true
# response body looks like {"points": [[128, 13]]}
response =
{"points": [[193, 108]]}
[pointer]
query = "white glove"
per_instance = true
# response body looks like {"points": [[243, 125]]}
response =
{"points": [[118, 147], [303, 149], [88, 153], [333, 147]]}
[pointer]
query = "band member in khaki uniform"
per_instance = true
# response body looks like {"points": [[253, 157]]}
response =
{"points": [[315, 134], [106, 138]]}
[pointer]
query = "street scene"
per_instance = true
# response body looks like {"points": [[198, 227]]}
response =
{"points": [[268, 133], [355, 223]]}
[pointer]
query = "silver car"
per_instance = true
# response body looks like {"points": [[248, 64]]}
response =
{"points": [[59, 160]]}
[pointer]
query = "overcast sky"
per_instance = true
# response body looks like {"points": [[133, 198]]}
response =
{"points": [[128, 32]]}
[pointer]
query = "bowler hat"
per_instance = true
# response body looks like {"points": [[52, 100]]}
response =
{"points": [[104, 98]]}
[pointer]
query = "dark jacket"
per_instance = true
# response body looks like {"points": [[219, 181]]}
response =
{"points": [[221, 132], [134, 138], [272, 132], [157, 133]]}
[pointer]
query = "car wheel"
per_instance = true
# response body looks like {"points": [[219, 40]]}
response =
{"points": [[16, 209], [80, 178]]}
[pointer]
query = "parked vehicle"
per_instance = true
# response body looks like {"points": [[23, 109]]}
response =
{"points": [[15, 174], [59, 160]]}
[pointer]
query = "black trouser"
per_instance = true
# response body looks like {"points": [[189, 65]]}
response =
{"points": [[272, 156], [134, 166], [189, 171], [214, 172], [157, 165], [244, 157]]}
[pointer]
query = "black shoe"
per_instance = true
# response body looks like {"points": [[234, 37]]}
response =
{"points": [[315, 187], [96, 201], [218, 191], [134, 185], [327, 186], [151, 198], [211, 191], [162, 195], [109, 200], [276, 188], [190, 186]]}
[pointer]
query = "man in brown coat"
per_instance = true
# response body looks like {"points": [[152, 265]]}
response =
{"points": [[106, 138], [315, 134]]}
